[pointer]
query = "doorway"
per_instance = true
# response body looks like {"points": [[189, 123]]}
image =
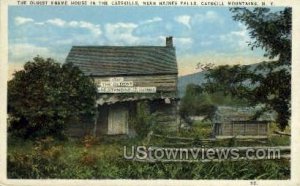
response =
{"points": [[117, 120]]}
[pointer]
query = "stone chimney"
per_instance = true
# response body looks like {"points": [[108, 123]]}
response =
{"points": [[169, 41]]}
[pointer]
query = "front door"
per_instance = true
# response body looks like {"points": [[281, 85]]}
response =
{"points": [[117, 120]]}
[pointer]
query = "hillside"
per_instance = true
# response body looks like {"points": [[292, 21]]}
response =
{"points": [[196, 78]]}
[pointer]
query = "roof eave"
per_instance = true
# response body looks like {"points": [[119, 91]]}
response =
{"points": [[118, 75]]}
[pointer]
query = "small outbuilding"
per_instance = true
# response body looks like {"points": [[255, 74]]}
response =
{"points": [[240, 121]]}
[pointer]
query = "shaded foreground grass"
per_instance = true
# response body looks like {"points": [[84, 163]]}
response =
{"points": [[102, 158]]}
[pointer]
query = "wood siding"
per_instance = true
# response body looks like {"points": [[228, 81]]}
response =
{"points": [[241, 129], [166, 115]]}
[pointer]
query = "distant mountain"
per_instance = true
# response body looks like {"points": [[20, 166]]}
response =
{"points": [[196, 78]]}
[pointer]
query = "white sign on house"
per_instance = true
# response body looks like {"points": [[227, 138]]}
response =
{"points": [[118, 85]]}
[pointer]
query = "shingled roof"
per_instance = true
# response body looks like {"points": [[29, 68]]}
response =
{"points": [[124, 60], [229, 114]]}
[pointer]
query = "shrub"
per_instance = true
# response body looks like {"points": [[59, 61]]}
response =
{"points": [[89, 141], [88, 159], [42, 162], [45, 97], [144, 121]]}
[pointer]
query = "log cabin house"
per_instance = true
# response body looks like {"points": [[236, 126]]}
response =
{"points": [[127, 76], [240, 122]]}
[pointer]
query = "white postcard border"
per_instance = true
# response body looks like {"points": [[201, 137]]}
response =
{"points": [[295, 126]]}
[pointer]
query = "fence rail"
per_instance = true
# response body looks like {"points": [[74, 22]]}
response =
{"points": [[190, 141], [175, 141], [282, 133]]}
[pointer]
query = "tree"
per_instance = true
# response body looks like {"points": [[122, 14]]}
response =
{"points": [[270, 30], [197, 101], [268, 83], [45, 97]]}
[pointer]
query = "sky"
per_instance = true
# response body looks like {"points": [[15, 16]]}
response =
{"points": [[201, 34]]}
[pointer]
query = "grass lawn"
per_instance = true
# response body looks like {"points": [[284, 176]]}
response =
{"points": [[102, 158]]}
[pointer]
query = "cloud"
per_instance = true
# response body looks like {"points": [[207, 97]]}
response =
{"points": [[121, 33], [183, 41], [23, 20], [145, 32], [237, 39], [39, 23], [56, 22], [23, 52], [184, 19], [151, 28], [153, 20], [209, 16], [93, 28], [149, 32]]}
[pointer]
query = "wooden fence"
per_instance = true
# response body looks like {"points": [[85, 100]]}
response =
{"points": [[284, 151], [204, 141]]}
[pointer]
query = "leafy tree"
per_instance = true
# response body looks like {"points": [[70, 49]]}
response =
{"points": [[197, 101], [268, 83], [46, 96], [192, 101]]}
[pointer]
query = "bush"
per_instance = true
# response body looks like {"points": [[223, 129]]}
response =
{"points": [[42, 162], [45, 97], [89, 141], [87, 158], [144, 121], [198, 102]]}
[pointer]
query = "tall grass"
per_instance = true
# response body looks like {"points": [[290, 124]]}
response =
{"points": [[99, 159]]}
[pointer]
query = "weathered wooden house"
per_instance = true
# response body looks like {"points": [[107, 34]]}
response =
{"points": [[239, 121], [127, 76]]}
